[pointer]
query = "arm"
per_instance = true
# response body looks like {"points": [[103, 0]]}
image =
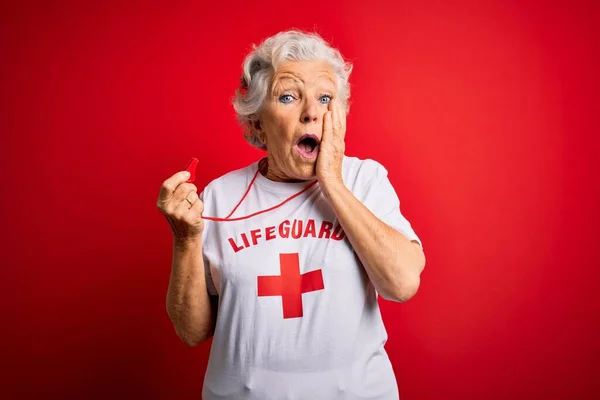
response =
{"points": [[192, 311], [392, 262]]}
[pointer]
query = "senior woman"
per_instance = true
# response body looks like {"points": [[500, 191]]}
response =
{"points": [[281, 261]]}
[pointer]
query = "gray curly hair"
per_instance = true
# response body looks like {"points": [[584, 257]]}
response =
{"points": [[261, 63]]}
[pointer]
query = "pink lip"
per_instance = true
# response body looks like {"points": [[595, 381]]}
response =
{"points": [[303, 153]]}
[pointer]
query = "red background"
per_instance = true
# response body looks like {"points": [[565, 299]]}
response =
{"points": [[486, 116]]}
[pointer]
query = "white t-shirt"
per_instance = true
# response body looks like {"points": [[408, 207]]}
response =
{"points": [[298, 317]]}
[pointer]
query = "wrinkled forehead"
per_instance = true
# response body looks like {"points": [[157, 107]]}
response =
{"points": [[304, 73]]}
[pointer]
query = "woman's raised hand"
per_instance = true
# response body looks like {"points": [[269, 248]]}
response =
{"points": [[178, 201]]}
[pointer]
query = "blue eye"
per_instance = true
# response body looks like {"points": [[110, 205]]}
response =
{"points": [[281, 98], [328, 97]]}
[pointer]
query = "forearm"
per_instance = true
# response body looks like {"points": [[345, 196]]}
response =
{"points": [[188, 302], [392, 262]]}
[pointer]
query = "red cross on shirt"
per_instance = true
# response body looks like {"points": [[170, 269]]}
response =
{"points": [[290, 284]]}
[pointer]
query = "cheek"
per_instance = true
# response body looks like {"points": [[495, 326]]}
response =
{"points": [[287, 121], [285, 130], [281, 128]]}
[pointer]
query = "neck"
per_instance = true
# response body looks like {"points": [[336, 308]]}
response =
{"points": [[269, 171]]}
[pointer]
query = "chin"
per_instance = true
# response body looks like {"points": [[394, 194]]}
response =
{"points": [[304, 172], [309, 172], [304, 169]]}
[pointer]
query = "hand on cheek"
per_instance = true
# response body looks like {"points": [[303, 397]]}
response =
{"points": [[332, 147]]}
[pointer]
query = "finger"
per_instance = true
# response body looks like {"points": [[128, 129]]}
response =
{"points": [[183, 206], [327, 126], [183, 191], [198, 207], [193, 214], [171, 204], [342, 118], [342, 113], [190, 199], [334, 117], [170, 185], [337, 119]]}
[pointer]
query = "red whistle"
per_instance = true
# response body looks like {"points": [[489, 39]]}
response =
{"points": [[191, 168]]}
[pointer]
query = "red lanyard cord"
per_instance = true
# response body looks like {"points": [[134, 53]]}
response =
{"points": [[228, 219], [245, 194]]}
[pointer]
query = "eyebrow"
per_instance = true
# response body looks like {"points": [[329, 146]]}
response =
{"points": [[297, 82]]}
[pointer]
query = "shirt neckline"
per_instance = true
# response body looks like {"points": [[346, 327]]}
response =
{"points": [[278, 187]]}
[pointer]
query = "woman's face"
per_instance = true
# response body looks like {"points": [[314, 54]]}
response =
{"points": [[291, 123]]}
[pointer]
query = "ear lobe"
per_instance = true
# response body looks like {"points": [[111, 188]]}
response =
{"points": [[262, 137], [260, 134]]}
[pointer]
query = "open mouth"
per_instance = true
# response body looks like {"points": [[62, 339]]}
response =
{"points": [[308, 146]]}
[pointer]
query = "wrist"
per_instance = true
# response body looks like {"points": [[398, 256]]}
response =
{"points": [[331, 185], [187, 243]]}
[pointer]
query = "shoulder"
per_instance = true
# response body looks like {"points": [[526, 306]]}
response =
{"points": [[229, 182], [362, 173]]}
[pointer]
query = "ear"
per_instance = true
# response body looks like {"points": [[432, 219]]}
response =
{"points": [[260, 134], [256, 125]]}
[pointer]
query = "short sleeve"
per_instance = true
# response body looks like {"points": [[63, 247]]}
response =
{"points": [[210, 283], [381, 198]]}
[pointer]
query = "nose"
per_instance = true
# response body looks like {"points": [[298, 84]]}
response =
{"points": [[310, 112]]}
